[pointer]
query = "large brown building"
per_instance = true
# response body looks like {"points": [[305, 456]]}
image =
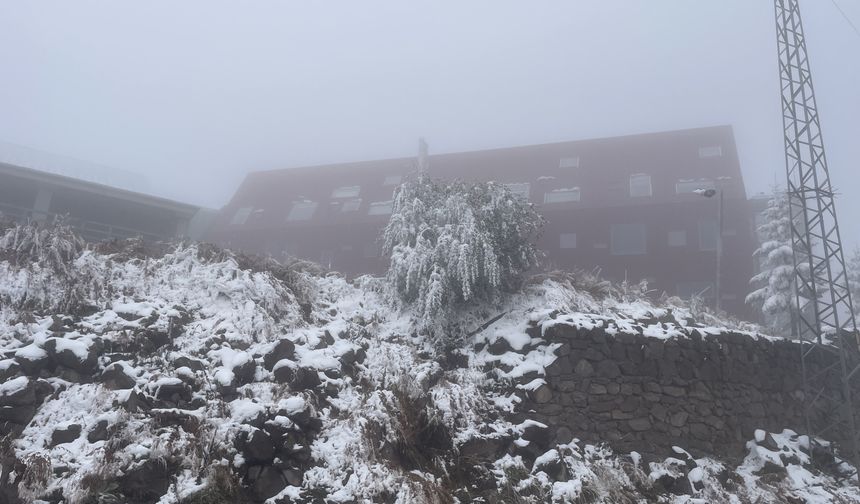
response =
{"points": [[630, 206]]}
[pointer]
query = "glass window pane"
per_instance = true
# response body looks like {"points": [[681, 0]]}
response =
{"points": [[392, 180], [711, 151], [241, 216], [346, 192], [380, 208], [640, 185], [562, 195], [302, 210], [628, 239], [520, 189], [569, 162], [350, 205], [567, 240]]}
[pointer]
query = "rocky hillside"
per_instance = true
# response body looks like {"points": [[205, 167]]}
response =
{"points": [[187, 374]]}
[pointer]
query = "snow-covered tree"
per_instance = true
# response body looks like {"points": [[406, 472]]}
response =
{"points": [[452, 243], [853, 271], [774, 285]]}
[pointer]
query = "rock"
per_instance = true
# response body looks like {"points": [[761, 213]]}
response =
{"points": [[541, 395], [284, 374], [20, 415], [18, 392], [32, 359], [679, 419], [136, 402], [147, 482], [305, 379], [99, 432], [189, 362], [283, 349], [244, 373], [8, 369], [563, 435], [267, 482], [608, 369], [483, 449], [583, 368], [640, 424], [552, 464], [77, 354], [117, 377], [499, 347], [537, 433], [67, 434], [257, 446]]}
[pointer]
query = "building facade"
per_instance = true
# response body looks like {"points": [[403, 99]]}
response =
{"points": [[96, 211], [632, 207]]}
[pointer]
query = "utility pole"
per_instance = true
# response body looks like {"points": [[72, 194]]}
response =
{"points": [[824, 317]]}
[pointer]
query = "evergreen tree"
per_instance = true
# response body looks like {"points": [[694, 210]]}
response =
{"points": [[453, 243], [774, 285]]}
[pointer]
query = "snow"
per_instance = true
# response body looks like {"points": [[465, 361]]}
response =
{"points": [[80, 348], [14, 386], [31, 352]]}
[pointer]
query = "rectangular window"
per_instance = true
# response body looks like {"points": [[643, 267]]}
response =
{"points": [[691, 186], [640, 185], [567, 240], [346, 192], [241, 216], [710, 151], [707, 235], [678, 238], [562, 195], [392, 180], [520, 189], [628, 239], [302, 210], [380, 208], [569, 162], [351, 205]]}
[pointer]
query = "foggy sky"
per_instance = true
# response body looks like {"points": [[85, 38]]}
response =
{"points": [[197, 93]]}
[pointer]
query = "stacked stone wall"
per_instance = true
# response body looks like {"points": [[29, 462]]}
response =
{"points": [[707, 394]]}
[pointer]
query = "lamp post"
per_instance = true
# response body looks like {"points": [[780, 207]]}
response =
{"points": [[710, 193]]}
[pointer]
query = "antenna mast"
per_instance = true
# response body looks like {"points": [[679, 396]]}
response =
{"points": [[824, 319]]}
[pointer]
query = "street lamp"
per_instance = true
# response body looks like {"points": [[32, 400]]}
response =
{"points": [[710, 193]]}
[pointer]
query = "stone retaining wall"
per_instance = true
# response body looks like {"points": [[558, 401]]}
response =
{"points": [[706, 394]]}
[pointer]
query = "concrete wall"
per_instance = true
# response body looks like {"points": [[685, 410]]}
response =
{"points": [[645, 394]]}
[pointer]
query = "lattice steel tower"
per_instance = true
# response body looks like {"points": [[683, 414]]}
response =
{"points": [[825, 321]]}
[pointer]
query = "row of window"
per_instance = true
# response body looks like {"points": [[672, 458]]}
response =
{"points": [[632, 239], [710, 151], [640, 187], [305, 209]]}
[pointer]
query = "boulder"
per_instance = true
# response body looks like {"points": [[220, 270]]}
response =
{"points": [[172, 390], [257, 446], [283, 349], [284, 374], [98, 432], [76, 354], [500, 346], [484, 449], [18, 392], [147, 482], [189, 362], [8, 369], [305, 379], [266, 482], [65, 434], [537, 433], [117, 377], [32, 359]]}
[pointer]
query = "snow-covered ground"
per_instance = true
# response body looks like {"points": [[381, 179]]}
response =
{"points": [[185, 377]]}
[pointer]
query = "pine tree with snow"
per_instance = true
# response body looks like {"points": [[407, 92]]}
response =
{"points": [[853, 271], [452, 243], [774, 284]]}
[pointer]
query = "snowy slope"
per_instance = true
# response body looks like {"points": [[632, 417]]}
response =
{"points": [[189, 377]]}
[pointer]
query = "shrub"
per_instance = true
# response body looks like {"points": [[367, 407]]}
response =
{"points": [[452, 243]]}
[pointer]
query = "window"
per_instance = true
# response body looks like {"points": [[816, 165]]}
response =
{"points": [[241, 216], [392, 180], [351, 205], [707, 235], [346, 192], [562, 195], [628, 239], [678, 238], [689, 290], [567, 240], [302, 210], [520, 189], [710, 151], [380, 208], [691, 186], [640, 185], [569, 162]]}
